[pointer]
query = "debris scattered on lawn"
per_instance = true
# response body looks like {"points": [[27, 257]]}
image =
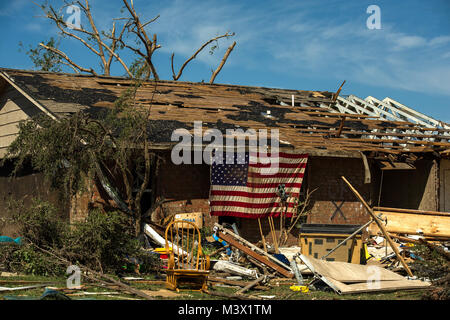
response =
{"points": [[233, 268], [346, 278], [302, 289], [8, 289]]}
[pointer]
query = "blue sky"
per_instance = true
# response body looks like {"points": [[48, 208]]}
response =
{"points": [[306, 45]]}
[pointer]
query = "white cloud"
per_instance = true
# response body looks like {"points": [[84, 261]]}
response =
{"points": [[441, 40], [295, 39], [408, 42]]}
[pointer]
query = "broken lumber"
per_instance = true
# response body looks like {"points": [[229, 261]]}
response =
{"points": [[8, 289], [218, 250], [233, 268], [251, 285], [253, 254], [252, 247], [413, 211], [381, 226], [237, 283], [231, 295], [417, 223]]}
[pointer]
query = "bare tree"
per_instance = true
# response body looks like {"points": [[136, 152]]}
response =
{"points": [[97, 42], [132, 35]]}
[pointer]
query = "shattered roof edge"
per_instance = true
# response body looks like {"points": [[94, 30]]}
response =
{"points": [[164, 81]]}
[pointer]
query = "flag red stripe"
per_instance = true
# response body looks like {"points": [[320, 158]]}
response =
{"points": [[242, 214], [247, 194], [274, 185], [249, 205], [280, 154], [277, 175], [259, 198], [277, 165]]}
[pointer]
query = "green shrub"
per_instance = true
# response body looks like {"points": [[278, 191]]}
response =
{"points": [[39, 223], [104, 242], [26, 259]]}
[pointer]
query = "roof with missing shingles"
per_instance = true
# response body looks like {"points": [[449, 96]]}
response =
{"points": [[310, 123]]}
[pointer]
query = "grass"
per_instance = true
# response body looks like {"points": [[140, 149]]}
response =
{"points": [[282, 292]]}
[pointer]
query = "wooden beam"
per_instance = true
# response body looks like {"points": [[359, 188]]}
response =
{"points": [[252, 246], [367, 177], [413, 223], [230, 240], [412, 211], [251, 285], [381, 226]]}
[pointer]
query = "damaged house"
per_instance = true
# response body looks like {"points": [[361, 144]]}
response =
{"points": [[394, 156]]}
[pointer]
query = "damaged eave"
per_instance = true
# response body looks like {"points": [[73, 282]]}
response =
{"points": [[10, 81]]}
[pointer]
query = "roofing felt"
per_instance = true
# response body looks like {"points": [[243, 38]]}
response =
{"points": [[312, 122]]}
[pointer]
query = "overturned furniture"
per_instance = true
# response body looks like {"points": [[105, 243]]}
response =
{"points": [[187, 265]]}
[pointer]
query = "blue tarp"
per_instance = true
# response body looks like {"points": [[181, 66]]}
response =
{"points": [[5, 239]]}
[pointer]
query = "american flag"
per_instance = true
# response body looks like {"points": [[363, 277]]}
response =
{"points": [[248, 189]]}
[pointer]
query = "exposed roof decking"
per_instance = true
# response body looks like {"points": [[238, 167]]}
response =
{"points": [[313, 122]]}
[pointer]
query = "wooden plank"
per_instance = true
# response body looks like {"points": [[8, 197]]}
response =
{"points": [[347, 278], [413, 211], [404, 284], [347, 272], [253, 254], [418, 224], [251, 285], [252, 246], [5, 141]]}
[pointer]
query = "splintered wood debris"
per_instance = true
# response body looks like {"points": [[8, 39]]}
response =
{"points": [[313, 120]]}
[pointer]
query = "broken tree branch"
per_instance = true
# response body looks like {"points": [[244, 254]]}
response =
{"points": [[65, 57], [225, 57], [176, 77], [98, 274]]}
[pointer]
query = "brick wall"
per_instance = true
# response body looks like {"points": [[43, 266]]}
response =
{"points": [[25, 187], [249, 230], [186, 187], [332, 192]]}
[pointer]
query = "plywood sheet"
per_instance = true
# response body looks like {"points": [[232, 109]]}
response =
{"points": [[348, 272], [347, 278], [404, 284]]}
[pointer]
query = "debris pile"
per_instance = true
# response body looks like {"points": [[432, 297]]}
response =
{"points": [[377, 256]]}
